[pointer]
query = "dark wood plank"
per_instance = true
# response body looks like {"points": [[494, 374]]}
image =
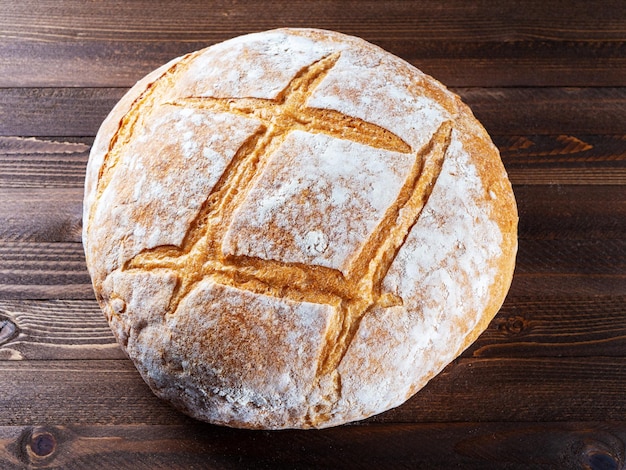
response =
{"points": [[461, 43], [578, 257], [543, 284], [57, 329], [79, 391], [35, 112], [523, 64], [56, 112], [30, 162], [539, 389], [568, 176], [555, 326], [43, 271], [546, 212], [571, 211], [549, 211], [48, 290], [564, 159], [552, 326], [60, 62], [555, 446], [544, 267], [547, 110], [46, 215], [187, 20]]}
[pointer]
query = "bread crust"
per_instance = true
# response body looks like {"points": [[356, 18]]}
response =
{"points": [[295, 229]]}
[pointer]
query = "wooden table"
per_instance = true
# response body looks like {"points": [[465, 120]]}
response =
{"points": [[543, 387]]}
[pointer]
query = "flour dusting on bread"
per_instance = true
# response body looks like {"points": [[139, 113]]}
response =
{"points": [[295, 229]]}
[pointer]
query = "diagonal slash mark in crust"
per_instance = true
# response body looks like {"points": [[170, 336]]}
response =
{"points": [[352, 294]]}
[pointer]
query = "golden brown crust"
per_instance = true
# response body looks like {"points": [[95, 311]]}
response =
{"points": [[295, 229]]}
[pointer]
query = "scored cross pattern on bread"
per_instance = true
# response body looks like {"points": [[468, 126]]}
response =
{"points": [[352, 294], [200, 255], [295, 229]]}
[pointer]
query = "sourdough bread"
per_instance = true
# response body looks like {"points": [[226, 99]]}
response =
{"points": [[295, 229]]}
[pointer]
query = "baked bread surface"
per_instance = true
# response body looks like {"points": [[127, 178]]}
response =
{"points": [[295, 229]]}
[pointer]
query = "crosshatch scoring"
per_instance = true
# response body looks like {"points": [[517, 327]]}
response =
{"points": [[281, 245], [352, 293]]}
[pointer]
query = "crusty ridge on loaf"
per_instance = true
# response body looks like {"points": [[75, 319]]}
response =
{"points": [[124, 133], [352, 293]]}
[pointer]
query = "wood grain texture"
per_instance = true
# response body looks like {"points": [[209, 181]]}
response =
{"points": [[563, 326], [544, 267], [571, 211], [43, 271], [555, 326], [541, 388], [546, 211], [585, 257], [41, 214], [479, 446], [56, 329], [34, 112], [28, 162], [575, 267], [187, 20], [589, 159], [537, 389], [59, 62], [461, 43], [564, 159], [551, 110], [79, 391]]}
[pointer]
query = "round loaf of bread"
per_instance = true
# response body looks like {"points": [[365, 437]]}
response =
{"points": [[295, 229]]}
